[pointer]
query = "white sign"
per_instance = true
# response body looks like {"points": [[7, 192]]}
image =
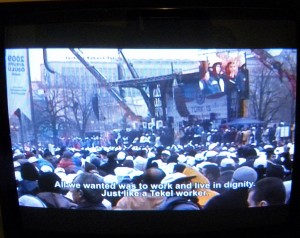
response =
{"points": [[17, 78]]}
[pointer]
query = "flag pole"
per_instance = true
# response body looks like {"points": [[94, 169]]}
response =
{"points": [[35, 142], [18, 113]]}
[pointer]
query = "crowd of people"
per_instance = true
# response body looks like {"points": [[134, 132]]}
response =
{"points": [[156, 176]]}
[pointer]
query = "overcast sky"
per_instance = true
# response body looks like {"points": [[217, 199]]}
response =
{"points": [[64, 54], [36, 56]]}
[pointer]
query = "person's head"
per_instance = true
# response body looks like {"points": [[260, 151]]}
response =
{"points": [[244, 174], [18, 155], [230, 68], [211, 171], [178, 178], [49, 182], [47, 155], [227, 164], [203, 68], [274, 170], [179, 167], [112, 155], [103, 154], [88, 190], [267, 192], [165, 154], [216, 68], [153, 176], [29, 171], [67, 154]]}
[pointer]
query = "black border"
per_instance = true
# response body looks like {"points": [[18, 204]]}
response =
{"points": [[155, 24]]}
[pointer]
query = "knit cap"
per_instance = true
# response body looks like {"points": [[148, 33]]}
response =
{"points": [[245, 173]]}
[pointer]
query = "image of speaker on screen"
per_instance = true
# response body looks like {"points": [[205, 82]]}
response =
{"points": [[242, 81], [208, 85], [236, 80]]}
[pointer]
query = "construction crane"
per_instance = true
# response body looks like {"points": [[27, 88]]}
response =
{"points": [[135, 75], [103, 82], [271, 63]]}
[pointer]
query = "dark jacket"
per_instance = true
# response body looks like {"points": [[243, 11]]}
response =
{"points": [[91, 206], [56, 200], [179, 203], [231, 199], [28, 187]]}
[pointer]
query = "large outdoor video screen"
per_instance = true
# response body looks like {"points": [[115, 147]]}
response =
{"points": [[152, 129]]}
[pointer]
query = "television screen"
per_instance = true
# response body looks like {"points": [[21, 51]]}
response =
{"points": [[138, 122]]}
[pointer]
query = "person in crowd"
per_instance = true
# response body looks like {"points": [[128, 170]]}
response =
{"points": [[109, 167], [231, 90], [268, 191], [201, 185], [151, 177], [227, 168], [19, 156], [85, 196], [47, 155], [242, 81], [51, 191], [35, 161], [175, 201], [160, 160], [29, 182], [274, 170], [236, 196], [102, 154], [212, 173], [66, 162], [45, 162]]}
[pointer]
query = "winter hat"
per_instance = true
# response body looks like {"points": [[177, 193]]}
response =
{"points": [[199, 157], [202, 164], [210, 154], [244, 173], [279, 150], [181, 158], [190, 160], [60, 172], [260, 162], [166, 152], [128, 163], [140, 163], [32, 159], [123, 174], [109, 179], [213, 146], [67, 154], [121, 155], [227, 162], [268, 147], [46, 168], [176, 178]]}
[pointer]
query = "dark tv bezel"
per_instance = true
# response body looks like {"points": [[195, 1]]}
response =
{"points": [[137, 25]]}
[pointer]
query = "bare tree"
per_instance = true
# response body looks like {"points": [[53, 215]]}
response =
{"points": [[269, 97], [79, 101], [50, 116], [289, 57]]}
